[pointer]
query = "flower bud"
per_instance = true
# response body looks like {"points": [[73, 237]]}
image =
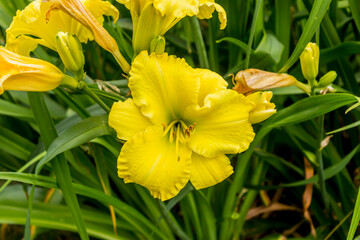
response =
{"points": [[157, 45], [70, 51], [251, 80], [309, 61], [263, 107], [27, 74], [327, 79]]}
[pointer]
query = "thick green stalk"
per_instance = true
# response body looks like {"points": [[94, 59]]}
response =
{"points": [[59, 164]]}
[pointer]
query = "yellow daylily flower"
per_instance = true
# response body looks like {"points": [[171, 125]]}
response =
{"points": [[251, 80], [31, 27], [263, 107], [78, 10], [152, 18], [27, 74], [179, 125]]}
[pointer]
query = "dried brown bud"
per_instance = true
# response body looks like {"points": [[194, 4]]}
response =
{"points": [[251, 80]]}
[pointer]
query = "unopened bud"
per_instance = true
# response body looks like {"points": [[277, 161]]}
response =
{"points": [[251, 80], [157, 45], [70, 51], [309, 61], [327, 79]]}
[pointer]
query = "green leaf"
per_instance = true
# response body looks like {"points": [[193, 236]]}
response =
{"points": [[355, 219], [80, 133], [243, 46], [14, 110], [355, 11], [317, 13], [309, 108], [352, 125], [15, 144], [129, 214], [59, 165], [271, 46]]}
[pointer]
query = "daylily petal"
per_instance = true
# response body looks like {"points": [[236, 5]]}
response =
{"points": [[26, 74], [210, 82], [263, 107], [22, 45], [177, 8], [207, 8], [127, 120], [222, 124], [151, 161], [163, 86], [98, 8], [206, 172]]}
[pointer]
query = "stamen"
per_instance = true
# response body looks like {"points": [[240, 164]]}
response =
{"points": [[169, 127], [177, 142], [164, 126]]}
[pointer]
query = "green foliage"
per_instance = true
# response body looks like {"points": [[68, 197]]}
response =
{"points": [[58, 155]]}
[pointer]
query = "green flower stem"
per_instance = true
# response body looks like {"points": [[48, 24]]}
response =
{"points": [[82, 86], [303, 87], [318, 155]]}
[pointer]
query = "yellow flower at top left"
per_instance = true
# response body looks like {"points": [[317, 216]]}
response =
{"points": [[32, 26], [27, 74]]}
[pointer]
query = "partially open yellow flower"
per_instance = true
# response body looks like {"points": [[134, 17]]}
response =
{"points": [[77, 10], [31, 27], [27, 74], [263, 107], [251, 80], [152, 18], [179, 125]]}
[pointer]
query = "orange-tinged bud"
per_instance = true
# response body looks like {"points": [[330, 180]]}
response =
{"points": [[27, 74], [251, 80]]}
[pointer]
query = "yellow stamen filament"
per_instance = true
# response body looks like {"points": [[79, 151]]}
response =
{"points": [[178, 131], [177, 142]]}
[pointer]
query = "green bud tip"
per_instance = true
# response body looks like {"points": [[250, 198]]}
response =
{"points": [[70, 51], [157, 45], [327, 79]]}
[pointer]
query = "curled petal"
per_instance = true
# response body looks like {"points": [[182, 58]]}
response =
{"points": [[127, 120], [150, 160], [177, 8], [263, 107], [210, 82], [207, 8], [206, 172], [222, 124]]}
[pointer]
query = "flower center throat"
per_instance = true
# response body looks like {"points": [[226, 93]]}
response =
{"points": [[179, 132]]}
